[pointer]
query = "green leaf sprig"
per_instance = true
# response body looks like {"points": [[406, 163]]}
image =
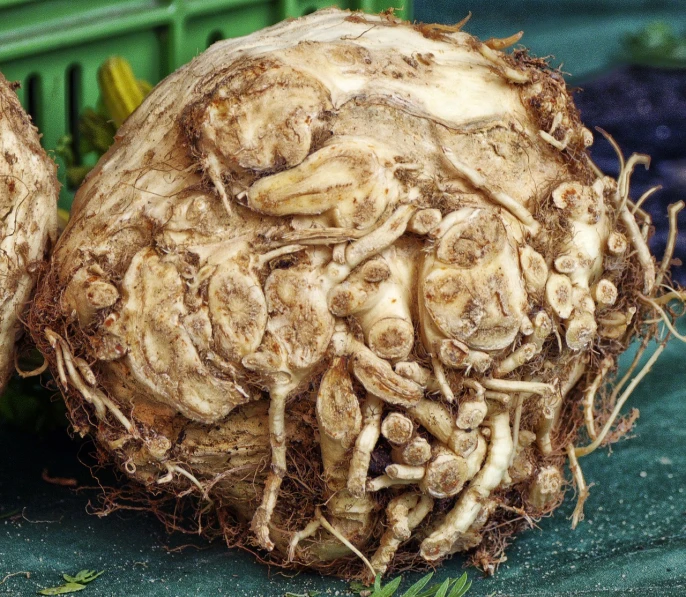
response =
{"points": [[72, 583], [450, 587]]}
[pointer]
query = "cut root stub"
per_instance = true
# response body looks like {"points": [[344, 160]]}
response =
{"points": [[397, 428]]}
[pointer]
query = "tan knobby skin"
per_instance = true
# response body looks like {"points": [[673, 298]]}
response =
{"points": [[345, 281]]}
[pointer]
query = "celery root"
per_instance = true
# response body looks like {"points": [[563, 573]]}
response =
{"points": [[28, 229], [354, 289]]}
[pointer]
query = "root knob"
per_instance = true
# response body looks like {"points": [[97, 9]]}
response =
{"points": [[617, 243], [546, 487], [581, 331], [463, 442], [416, 453], [605, 293], [534, 269], [445, 474], [391, 338], [566, 264], [558, 294], [397, 428], [375, 270], [424, 221], [471, 414]]}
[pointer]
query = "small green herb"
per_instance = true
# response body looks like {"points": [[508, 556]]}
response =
{"points": [[388, 590], [69, 587], [450, 587], [83, 577], [72, 583]]}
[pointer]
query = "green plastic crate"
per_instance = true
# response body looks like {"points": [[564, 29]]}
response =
{"points": [[53, 48]]}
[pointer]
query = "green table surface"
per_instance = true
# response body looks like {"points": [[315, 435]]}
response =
{"points": [[633, 540]]}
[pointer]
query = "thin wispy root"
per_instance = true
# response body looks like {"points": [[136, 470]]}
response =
{"points": [[68, 373], [673, 211], [31, 373], [652, 285], [590, 393], [581, 488], [656, 303]]}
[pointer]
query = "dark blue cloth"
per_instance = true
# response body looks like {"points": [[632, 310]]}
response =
{"points": [[644, 109]]}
